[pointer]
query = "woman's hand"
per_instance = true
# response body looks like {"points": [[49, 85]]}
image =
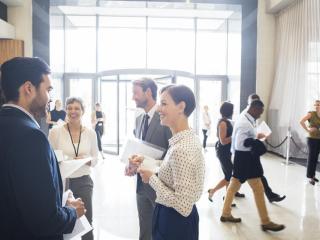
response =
{"points": [[145, 174], [312, 130]]}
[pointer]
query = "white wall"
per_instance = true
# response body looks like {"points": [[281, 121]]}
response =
{"points": [[21, 18], [265, 53]]}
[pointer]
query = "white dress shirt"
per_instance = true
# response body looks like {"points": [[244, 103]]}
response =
{"points": [[179, 183], [151, 112], [60, 139], [245, 127]]}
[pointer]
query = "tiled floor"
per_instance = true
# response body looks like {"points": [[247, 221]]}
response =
{"points": [[115, 214]]}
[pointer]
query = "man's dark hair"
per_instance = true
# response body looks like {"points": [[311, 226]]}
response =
{"points": [[146, 83], [16, 71], [256, 104], [226, 109], [181, 93]]}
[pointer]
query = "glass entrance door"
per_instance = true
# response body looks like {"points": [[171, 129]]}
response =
{"points": [[212, 91]]}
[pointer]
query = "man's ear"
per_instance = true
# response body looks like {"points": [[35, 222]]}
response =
{"points": [[27, 88]]}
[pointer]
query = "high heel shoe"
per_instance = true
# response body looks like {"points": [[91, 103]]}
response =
{"points": [[210, 192]]}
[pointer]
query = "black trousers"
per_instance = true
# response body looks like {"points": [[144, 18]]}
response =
{"points": [[267, 188], [168, 224], [314, 149], [205, 137]]}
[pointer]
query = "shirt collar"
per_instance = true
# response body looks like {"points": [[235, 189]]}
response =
{"points": [[250, 118], [152, 111], [179, 136], [23, 110]]}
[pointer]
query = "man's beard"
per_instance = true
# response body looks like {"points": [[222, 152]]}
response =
{"points": [[141, 104], [38, 110]]}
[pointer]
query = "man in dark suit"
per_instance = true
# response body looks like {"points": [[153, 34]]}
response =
{"points": [[30, 181], [149, 129]]}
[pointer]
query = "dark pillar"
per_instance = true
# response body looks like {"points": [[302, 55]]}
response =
{"points": [[41, 29]]}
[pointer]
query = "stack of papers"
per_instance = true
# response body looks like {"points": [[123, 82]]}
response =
{"points": [[67, 167], [82, 225]]}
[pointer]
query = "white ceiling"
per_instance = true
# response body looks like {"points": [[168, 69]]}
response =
{"points": [[13, 3], [137, 12]]}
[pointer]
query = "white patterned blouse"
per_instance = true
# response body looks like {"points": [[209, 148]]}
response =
{"points": [[179, 183]]}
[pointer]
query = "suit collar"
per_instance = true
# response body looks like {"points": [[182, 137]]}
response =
{"points": [[21, 111]]}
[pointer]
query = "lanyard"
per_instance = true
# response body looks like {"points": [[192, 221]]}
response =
{"points": [[252, 124], [76, 152]]}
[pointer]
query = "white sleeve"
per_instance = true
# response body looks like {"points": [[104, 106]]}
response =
{"points": [[53, 138]]}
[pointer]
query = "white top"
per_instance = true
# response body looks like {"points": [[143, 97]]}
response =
{"points": [[180, 179], [60, 139], [23, 110], [245, 127], [206, 120]]}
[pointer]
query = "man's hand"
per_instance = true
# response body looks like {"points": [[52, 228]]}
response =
{"points": [[145, 174], [136, 160], [78, 204], [261, 136]]}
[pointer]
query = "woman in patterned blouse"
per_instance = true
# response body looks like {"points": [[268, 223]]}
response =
{"points": [[179, 182]]}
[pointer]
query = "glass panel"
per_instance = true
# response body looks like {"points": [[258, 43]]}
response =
{"points": [[210, 95], [211, 51], [234, 48], [121, 47], [172, 23], [57, 44], [57, 92], [189, 82], [80, 47], [83, 88], [109, 107], [171, 49]]}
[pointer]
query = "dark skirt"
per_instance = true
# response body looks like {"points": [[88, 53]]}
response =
{"points": [[246, 166], [168, 224]]}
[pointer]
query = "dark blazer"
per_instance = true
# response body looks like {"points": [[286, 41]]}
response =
{"points": [[157, 135], [30, 182]]}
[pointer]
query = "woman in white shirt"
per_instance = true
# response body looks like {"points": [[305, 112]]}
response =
{"points": [[179, 182], [77, 142], [206, 125]]}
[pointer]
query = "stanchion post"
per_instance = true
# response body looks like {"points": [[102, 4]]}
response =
{"points": [[288, 162]]}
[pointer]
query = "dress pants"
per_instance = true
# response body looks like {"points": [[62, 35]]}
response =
{"points": [[82, 187], [168, 224], [205, 137], [146, 197], [314, 148], [258, 191]]}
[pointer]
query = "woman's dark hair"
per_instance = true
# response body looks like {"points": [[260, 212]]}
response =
{"points": [[181, 93], [16, 71], [226, 109], [146, 83]]}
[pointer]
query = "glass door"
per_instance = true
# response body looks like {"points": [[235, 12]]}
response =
{"points": [[109, 100], [211, 94], [81, 85]]}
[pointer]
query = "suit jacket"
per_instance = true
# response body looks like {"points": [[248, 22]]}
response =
{"points": [[30, 182], [157, 135]]}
